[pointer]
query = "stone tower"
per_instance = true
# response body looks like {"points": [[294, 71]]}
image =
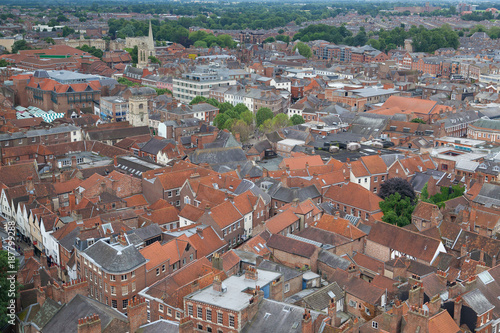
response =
{"points": [[138, 114], [146, 49], [409, 45]]}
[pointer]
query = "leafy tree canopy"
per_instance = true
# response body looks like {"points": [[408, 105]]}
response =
{"points": [[397, 185]]}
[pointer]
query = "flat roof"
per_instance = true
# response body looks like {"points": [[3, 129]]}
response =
{"points": [[234, 297], [291, 142], [462, 141]]}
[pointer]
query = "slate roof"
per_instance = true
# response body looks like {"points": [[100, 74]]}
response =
{"points": [[218, 156], [277, 317], [489, 195], [160, 326], [333, 260], [152, 230], [287, 272], [320, 299], [115, 260], [46, 312], [477, 301], [66, 319]]}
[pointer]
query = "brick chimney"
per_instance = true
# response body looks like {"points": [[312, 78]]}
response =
{"points": [[137, 313], [434, 305], [37, 282], [251, 274], [217, 285], [43, 260], [40, 296], [395, 324], [457, 310], [115, 161], [351, 271], [186, 325], [29, 253], [307, 324], [217, 262], [416, 295], [332, 313], [73, 162], [253, 307], [90, 324]]}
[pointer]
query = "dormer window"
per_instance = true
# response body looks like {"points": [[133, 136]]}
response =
{"points": [[482, 166]]}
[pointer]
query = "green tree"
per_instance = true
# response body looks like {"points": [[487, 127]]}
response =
{"points": [[154, 60], [163, 91], [397, 210], [418, 120], [49, 40], [220, 120], [200, 44], [304, 50], [241, 127], [4, 63], [127, 82], [20, 45], [297, 120], [198, 99], [262, 115], [134, 54], [240, 108], [397, 185], [66, 31], [6, 293], [269, 40], [280, 121], [248, 117]]}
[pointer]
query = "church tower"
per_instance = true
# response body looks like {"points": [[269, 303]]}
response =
{"points": [[138, 109], [151, 42]]}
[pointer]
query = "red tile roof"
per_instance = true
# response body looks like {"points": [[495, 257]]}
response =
{"points": [[225, 214], [279, 222], [339, 226], [354, 195]]}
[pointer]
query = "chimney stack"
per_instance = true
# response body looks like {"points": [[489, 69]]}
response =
{"points": [[457, 310], [137, 313], [251, 274], [90, 324], [307, 325], [217, 285]]}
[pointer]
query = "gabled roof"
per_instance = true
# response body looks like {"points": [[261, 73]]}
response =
{"points": [[290, 245], [354, 195], [113, 259], [279, 222], [66, 319], [225, 214], [404, 241], [339, 226]]}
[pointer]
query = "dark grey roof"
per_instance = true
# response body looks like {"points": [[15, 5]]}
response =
{"points": [[69, 240], [419, 180], [262, 146], [160, 326], [114, 260], [153, 146], [117, 133], [274, 137], [46, 312], [489, 195], [333, 260], [66, 320], [218, 156], [287, 272], [477, 301], [248, 169], [320, 299], [152, 230], [246, 185], [223, 140], [277, 317], [141, 91]]}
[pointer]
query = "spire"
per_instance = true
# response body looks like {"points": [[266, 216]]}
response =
{"points": [[151, 44]]}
